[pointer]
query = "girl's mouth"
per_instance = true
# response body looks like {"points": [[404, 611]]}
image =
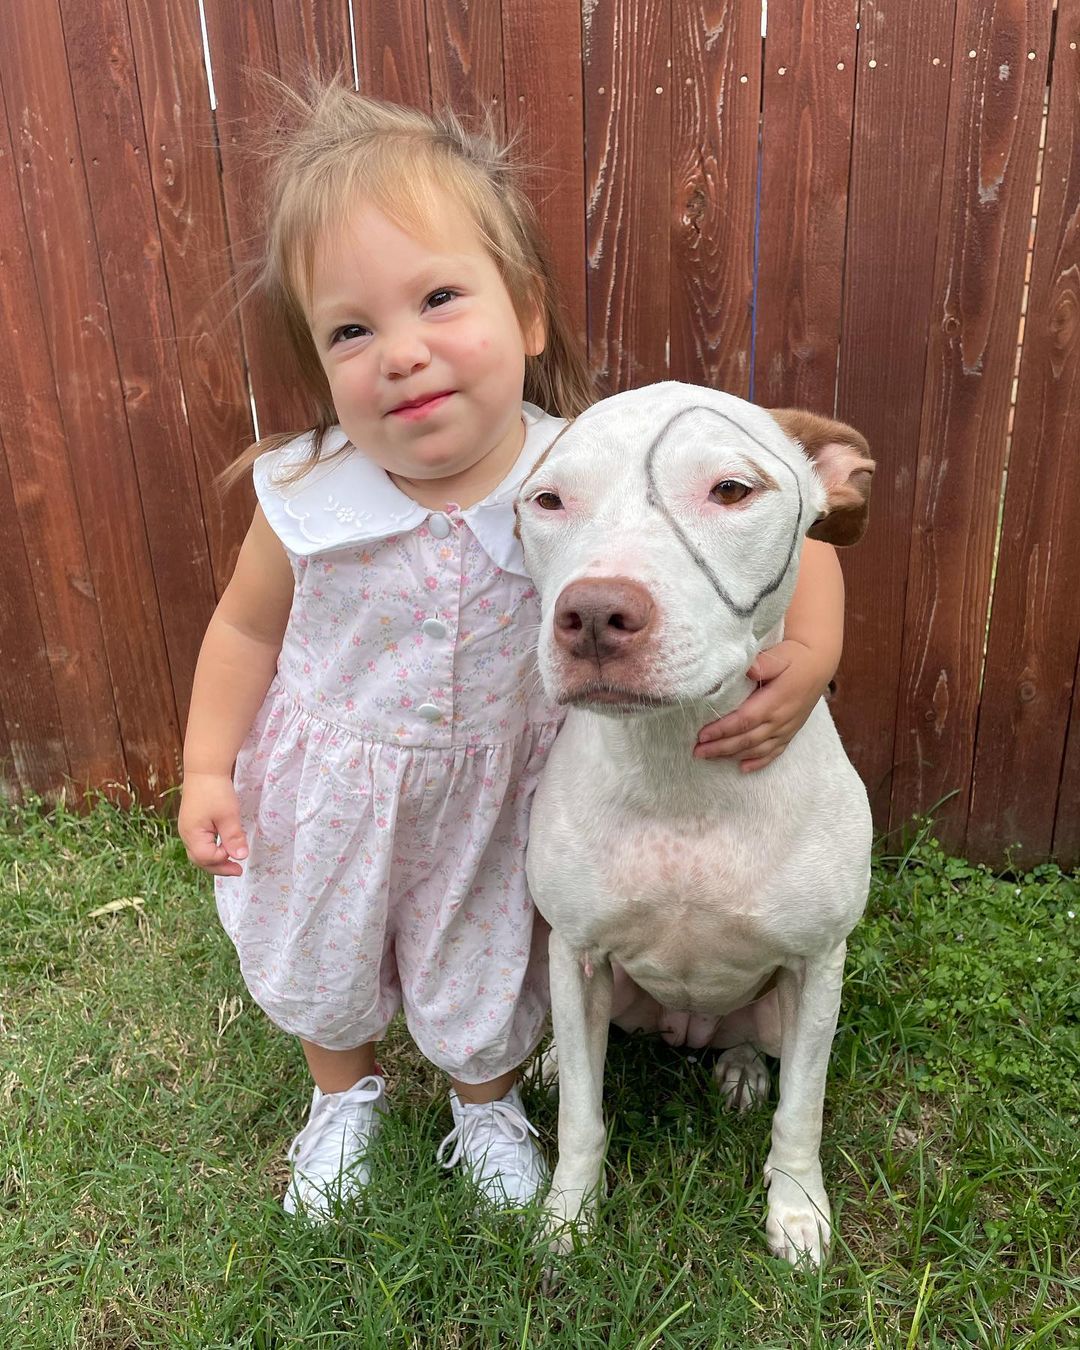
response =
{"points": [[420, 408]]}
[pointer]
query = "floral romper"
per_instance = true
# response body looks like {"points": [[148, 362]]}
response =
{"points": [[385, 785]]}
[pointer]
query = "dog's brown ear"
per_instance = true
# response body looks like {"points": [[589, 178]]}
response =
{"points": [[841, 457]]}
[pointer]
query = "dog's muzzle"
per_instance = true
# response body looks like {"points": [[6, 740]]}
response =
{"points": [[605, 632]]}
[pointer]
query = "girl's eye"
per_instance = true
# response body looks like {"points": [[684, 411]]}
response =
{"points": [[729, 491], [347, 332], [548, 501], [441, 297]]}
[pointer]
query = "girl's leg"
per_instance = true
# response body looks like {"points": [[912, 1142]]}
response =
{"points": [[494, 1142], [479, 1093], [339, 1070], [329, 1155]]}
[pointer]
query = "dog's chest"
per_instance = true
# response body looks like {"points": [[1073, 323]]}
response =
{"points": [[685, 909], [684, 898]]}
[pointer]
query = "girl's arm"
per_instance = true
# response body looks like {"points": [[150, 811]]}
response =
{"points": [[793, 675], [237, 662]]}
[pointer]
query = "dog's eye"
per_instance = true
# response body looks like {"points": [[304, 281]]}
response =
{"points": [[729, 491], [548, 501]]}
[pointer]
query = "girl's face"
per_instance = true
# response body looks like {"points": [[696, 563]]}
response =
{"points": [[423, 351]]}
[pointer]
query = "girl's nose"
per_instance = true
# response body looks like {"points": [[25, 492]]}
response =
{"points": [[404, 353]]}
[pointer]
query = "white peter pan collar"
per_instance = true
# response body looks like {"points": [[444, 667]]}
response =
{"points": [[350, 500]]}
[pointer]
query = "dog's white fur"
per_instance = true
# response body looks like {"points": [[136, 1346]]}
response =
{"points": [[724, 897]]}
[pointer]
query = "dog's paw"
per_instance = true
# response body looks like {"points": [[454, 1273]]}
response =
{"points": [[568, 1211], [561, 1224], [557, 1236], [742, 1077], [798, 1226]]}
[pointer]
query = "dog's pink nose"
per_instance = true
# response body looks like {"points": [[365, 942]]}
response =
{"points": [[602, 617]]}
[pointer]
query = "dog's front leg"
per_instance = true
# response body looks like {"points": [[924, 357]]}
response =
{"points": [[580, 1015], [798, 1222]]}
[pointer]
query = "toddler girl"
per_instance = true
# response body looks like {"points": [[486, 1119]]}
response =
{"points": [[370, 668]]}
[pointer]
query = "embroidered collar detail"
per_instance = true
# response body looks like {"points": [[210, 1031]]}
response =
{"points": [[350, 500]]}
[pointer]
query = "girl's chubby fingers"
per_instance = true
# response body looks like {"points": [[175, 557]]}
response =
{"points": [[730, 746], [718, 749], [759, 713], [727, 728], [220, 854], [232, 837], [766, 753]]}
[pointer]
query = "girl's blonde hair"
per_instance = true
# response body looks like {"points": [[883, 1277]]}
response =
{"points": [[341, 147]]}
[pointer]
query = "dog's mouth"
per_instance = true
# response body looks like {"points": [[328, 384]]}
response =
{"points": [[615, 698]]}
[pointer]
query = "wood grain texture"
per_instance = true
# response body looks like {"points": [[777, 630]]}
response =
{"points": [[137, 296], [465, 55], [392, 51], [312, 38], [903, 68], [47, 510], [896, 177], [627, 46], [543, 82], [982, 234], [33, 756], [67, 270], [243, 46], [1035, 622], [716, 93], [807, 100], [183, 161]]}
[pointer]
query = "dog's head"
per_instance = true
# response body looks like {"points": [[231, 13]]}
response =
{"points": [[663, 529]]}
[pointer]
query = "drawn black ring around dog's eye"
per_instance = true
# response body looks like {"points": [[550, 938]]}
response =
{"points": [[548, 501], [729, 491]]}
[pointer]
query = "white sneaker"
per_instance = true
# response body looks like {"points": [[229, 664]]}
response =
{"points": [[495, 1143], [329, 1153]]}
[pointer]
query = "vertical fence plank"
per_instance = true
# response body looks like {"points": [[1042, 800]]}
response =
{"points": [[10, 786], [465, 53], [243, 46], [313, 39], [1035, 621], [33, 757], [33, 68], [392, 51], [716, 94], [45, 500], [990, 166], [542, 60], [898, 145], [628, 175], [137, 295], [183, 161], [808, 92], [1066, 843]]}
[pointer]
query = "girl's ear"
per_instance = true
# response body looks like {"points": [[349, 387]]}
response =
{"points": [[534, 331], [841, 457], [533, 318]]}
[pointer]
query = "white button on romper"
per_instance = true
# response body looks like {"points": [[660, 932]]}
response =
{"points": [[386, 783]]}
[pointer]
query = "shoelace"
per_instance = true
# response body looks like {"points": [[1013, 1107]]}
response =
{"points": [[505, 1117], [322, 1113]]}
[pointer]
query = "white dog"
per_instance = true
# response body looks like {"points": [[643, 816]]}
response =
{"points": [[663, 529]]}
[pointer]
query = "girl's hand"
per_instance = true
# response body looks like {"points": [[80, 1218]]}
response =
{"points": [[209, 813], [792, 679]]}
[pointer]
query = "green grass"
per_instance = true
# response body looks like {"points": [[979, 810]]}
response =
{"points": [[145, 1105]]}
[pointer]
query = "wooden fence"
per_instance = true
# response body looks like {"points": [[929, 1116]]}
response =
{"points": [[852, 212]]}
